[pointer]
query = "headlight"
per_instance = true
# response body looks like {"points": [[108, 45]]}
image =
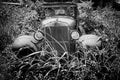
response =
{"points": [[38, 35], [75, 35]]}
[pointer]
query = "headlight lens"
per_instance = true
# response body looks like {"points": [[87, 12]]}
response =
{"points": [[38, 35], [75, 35]]}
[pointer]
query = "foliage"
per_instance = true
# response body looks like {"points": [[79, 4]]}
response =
{"points": [[91, 64]]}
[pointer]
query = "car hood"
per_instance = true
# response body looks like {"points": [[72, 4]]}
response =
{"points": [[58, 21]]}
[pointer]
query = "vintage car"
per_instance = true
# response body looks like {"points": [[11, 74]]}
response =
{"points": [[59, 30]]}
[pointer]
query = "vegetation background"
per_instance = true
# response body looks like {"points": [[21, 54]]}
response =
{"points": [[91, 64]]}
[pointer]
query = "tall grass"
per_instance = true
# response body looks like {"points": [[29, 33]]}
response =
{"points": [[84, 64]]}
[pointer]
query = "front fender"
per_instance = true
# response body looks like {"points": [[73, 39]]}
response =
{"points": [[24, 41]]}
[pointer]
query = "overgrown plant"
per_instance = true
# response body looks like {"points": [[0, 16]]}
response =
{"points": [[91, 64]]}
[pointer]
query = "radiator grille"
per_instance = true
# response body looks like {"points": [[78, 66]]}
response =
{"points": [[58, 37]]}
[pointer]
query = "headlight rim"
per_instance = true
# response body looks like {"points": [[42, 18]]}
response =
{"points": [[36, 38], [73, 32]]}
